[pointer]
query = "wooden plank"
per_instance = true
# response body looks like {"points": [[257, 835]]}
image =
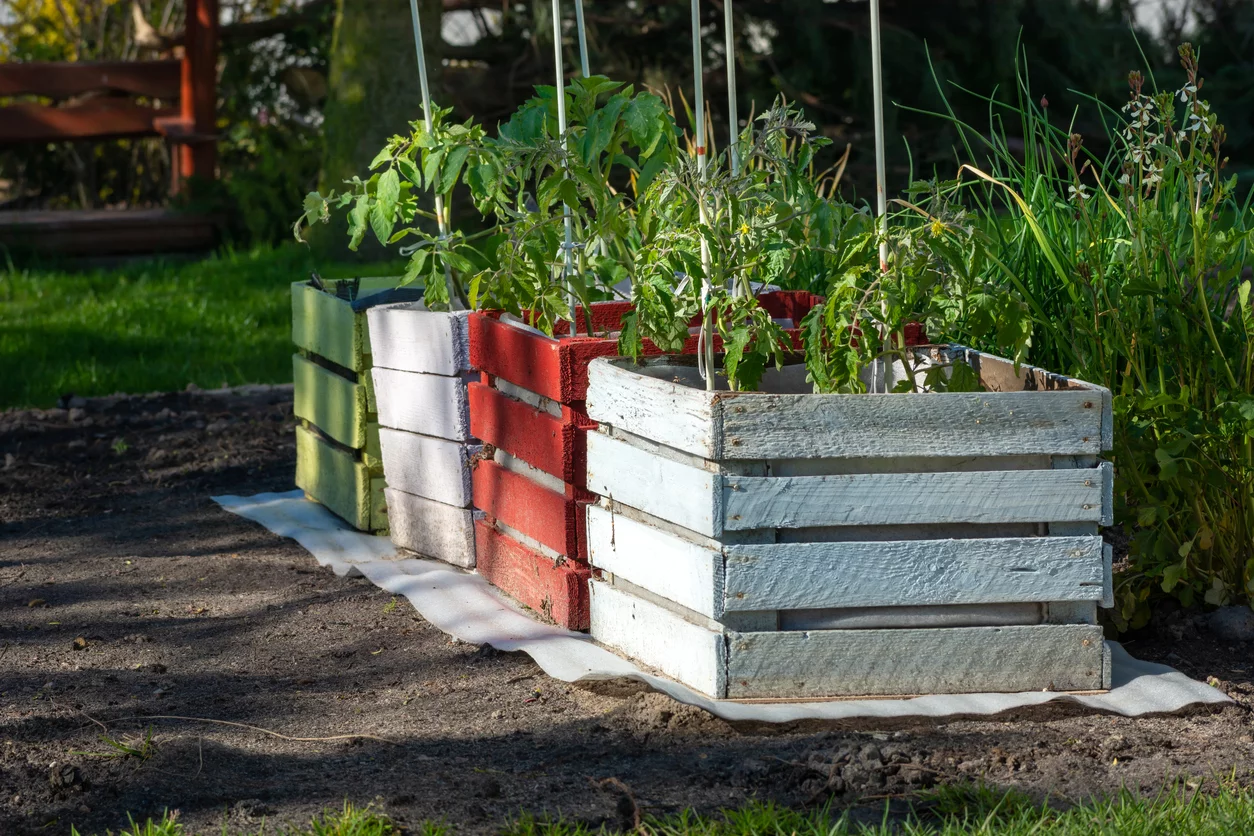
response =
{"points": [[430, 404], [794, 576], [625, 397], [325, 325], [433, 468], [831, 663], [431, 528], [761, 426], [63, 80], [103, 118], [335, 479], [519, 356], [680, 493], [410, 338], [679, 570], [659, 638], [545, 516], [96, 232], [558, 589], [908, 498], [329, 401], [553, 445]]}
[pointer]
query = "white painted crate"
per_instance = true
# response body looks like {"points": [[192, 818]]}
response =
{"points": [[421, 367], [784, 544]]}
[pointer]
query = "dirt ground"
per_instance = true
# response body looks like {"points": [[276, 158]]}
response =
{"points": [[128, 598]]}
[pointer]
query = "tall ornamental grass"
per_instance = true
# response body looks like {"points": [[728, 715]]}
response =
{"points": [[1134, 260]]}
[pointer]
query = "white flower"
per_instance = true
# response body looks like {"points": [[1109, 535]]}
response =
{"points": [[1125, 180], [1138, 154], [1186, 90], [1154, 176], [1198, 123], [1078, 192], [1201, 177]]}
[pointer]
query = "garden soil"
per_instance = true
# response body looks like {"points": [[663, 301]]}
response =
{"points": [[134, 611]]}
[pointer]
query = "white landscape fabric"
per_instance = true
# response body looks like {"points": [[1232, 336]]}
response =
{"points": [[463, 605]]}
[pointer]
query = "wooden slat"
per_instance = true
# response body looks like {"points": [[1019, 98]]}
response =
{"points": [[63, 80], [687, 573], [432, 529], [654, 407], [680, 493], [553, 445], [760, 426], [787, 576], [551, 519], [331, 402], [325, 325], [434, 468], [410, 338], [659, 638], [558, 590], [92, 232], [338, 481], [102, 118], [830, 663], [911, 498], [430, 404]]}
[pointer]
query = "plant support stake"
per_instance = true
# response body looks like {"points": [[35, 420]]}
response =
{"points": [[877, 82], [583, 39], [705, 352], [441, 217], [733, 116], [569, 245]]}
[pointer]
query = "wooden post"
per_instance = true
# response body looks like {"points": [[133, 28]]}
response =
{"points": [[199, 96]]}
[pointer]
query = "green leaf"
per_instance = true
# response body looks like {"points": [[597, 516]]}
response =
{"points": [[1172, 575], [357, 218], [415, 267], [431, 169], [380, 223], [453, 167], [382, 157], [387, 193]]}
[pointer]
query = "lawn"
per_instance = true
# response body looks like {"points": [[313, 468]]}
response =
{"points": [[949, 811], [153, 325]]}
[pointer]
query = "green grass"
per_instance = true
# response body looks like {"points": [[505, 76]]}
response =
{"points": [[950, 811], [153, 325]]}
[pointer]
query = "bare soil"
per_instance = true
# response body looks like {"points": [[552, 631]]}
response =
{"points": [[127, 599]]}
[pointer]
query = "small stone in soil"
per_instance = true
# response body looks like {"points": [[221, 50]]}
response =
{"points": [[1234, 624]]}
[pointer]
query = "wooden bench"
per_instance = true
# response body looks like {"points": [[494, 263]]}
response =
{"points": [[100, 101]]}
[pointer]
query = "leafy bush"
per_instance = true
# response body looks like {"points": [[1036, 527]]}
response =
{"points": [[1134, 264]]}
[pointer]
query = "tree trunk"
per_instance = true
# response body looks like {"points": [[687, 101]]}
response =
{"points": [[373, 93]]}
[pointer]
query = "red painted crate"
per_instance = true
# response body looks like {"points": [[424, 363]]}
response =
{"points": [[529, 406]]}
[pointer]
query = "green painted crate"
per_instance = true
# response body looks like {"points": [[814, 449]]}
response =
{"points": [[337, 442]]}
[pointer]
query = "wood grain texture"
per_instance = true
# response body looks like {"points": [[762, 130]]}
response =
{"points": [[915, 498], [661, 410], [761, 426], [793, 576], [430, 404], [329, 401], [659, 638], [344, 485], [548, 517], [325, 325], [680, 493], [59, 80], [679, 570], [434, 468], [830, 663], [878, 618], [558, 590], [432, 529], [556, 446], [408, 337]]}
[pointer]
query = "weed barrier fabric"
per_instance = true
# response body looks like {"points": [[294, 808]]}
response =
{"points": [[463, 605]]}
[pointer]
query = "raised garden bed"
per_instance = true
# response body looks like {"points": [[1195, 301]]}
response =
{"points": [[421, 362], [338, 457], [529, 408], [784, 544]]}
